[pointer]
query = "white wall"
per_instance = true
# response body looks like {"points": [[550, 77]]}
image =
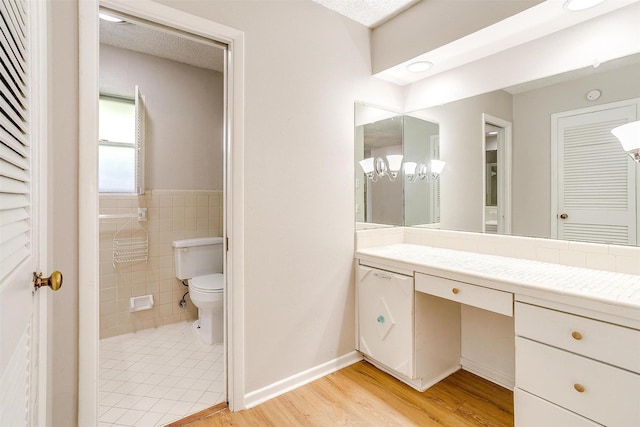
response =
{"points": [[184, 116], [431, 24], [305, 67]]}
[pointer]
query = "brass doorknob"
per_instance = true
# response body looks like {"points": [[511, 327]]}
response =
{"points": [[54, 281], [564, 216]]}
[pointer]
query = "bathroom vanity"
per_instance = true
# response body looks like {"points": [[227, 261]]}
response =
{"points": [[576, 330]]}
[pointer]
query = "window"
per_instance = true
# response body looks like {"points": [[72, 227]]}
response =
{"points": [[121, 148]]}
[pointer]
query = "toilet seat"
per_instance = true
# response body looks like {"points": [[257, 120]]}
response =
{"points": [[210, 283]]}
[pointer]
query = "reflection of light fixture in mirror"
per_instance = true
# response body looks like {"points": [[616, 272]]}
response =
{"points": [[419, 66], [575, 5], [415, 171], [376, 168], [629, 137], [109, 18]]}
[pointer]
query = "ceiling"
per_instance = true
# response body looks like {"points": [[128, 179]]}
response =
{"points": [[144, 38], [369, 13], [156, 41]]}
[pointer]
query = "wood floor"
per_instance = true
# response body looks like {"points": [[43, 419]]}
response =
{"points": [[361, 395]]}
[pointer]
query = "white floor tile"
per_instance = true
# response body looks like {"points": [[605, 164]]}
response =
{"points": [[112, 415], [112, 399], [150, 419], [130, 417], [192, 396], [168, 419], [175, 393], [156, 376], [145, 403], [163, 405], [158, 391], [127, 402]]}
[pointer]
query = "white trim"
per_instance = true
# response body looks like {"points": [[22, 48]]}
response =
{"points": [[43, 311], [490, 374], [505, 168], [287, 384], [88, 197], [555, 119]]}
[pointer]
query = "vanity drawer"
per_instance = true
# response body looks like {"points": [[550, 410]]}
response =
{"points": [[613, 344], [531, 411], [465, 293], [600, 392]]}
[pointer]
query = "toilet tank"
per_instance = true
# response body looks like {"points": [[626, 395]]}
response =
{"points": [[197, 257]]}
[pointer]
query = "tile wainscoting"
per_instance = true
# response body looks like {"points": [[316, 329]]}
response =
{"points": [[171, 215]]}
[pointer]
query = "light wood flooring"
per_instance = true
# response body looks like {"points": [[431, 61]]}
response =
{"points": [[361, 395]]}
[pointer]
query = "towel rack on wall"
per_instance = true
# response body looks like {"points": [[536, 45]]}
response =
{"points": [[141, 215], [131, 245]]}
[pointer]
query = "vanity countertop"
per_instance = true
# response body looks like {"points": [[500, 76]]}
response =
{"points": [[614, 293]]}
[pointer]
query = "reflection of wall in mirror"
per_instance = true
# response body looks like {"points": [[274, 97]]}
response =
{"points": [[532, 144], [417, 141], [384, 197], [462, 195]]}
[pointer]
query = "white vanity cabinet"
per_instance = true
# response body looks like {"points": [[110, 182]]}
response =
{"points": [[576, 369], [385, 318], [410, 335]]}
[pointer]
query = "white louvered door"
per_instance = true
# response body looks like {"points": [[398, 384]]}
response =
{"points": [[21, 133], [596, 179]]}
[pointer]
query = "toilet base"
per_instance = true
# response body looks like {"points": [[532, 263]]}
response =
{"points": [[213, 336]]}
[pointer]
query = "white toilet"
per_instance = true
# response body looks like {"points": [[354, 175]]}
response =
{"points": [[199, 261]]}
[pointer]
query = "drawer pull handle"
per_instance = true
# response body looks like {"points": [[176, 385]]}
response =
{"points": [[576, 335], [382, 275], [579, 388], [380, 319], [455, 291]]}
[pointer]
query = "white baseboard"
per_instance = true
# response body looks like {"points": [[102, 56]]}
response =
{"points": [[500, 378], [280, 387]]}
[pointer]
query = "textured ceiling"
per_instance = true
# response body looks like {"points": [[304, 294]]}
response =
{"points": [[152, 41], [370, 13]]}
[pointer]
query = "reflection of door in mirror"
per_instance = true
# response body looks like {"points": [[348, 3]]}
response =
{"points": [[595, 182], [497, 178]]}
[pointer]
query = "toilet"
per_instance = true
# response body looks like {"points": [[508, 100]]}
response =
{"points": [[199, 261]]}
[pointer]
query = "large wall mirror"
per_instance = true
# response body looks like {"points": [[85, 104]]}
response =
{"points": [[567, 176], [397, 168]]}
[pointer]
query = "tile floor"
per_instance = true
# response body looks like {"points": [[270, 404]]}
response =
{"points": [[156, 376]]}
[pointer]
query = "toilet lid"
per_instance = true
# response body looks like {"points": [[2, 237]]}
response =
{"points": [[208, 283]]}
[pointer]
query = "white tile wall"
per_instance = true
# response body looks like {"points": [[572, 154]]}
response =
{"points": [[172, 214], [620, 259]]}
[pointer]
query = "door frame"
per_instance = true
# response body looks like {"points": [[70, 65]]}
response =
{"points": [[88, 190], [555, 118], [504, 169], [41, 366]]}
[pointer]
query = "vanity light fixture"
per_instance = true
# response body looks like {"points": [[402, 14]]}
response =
{"points": [[415, 171], [629, 137], [375, 168], [575, 5], [109, 18], [419, 66]]}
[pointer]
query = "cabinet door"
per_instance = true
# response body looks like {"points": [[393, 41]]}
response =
{"points": [[385, 318]]}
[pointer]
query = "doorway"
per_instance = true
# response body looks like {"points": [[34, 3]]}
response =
{"points": [[496, 164], [88, 195], [160, 180]]}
